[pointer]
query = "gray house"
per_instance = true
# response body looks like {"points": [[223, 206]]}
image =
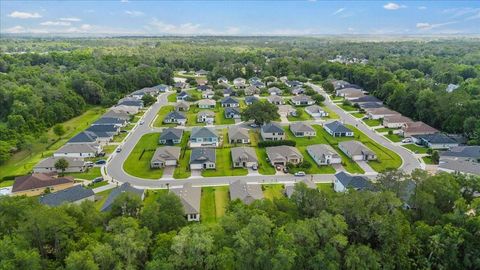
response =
{"points": [[247, 193], [229, 102], [165, 156], [277, 100], [171, 136], [231, 112], [435, 141], [272, 132], [323, 154], [244, 157], [78, 150], [206, 104], [283, 154], [75, 194], [182, 106], [206, 117], [461, 159], [202, 158], [238, 135], [344, 181], [203, 136], [302, 130], [190, 198], [48, 165], [250, 100], [356, 150], [316, 111], [175, 117], [302, 100], [337, 129], [274, 91], [125, 187]]}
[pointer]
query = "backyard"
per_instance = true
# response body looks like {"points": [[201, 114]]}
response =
{"points": [[183, 168], [372, 122], [264, 167], [172, 97], [90, 174], [416, 148], [138, 162], [213, 203], [273, 191], [303, 116]]}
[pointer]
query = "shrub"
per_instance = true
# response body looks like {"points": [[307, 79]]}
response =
{"points": [[276, 143]]}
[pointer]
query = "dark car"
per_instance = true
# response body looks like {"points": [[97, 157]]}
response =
{"points": [[101, 162], [97, 180]]}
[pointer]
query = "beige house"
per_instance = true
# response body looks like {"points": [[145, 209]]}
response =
{"points": [[238, 135], [244, 157], [283, 154], [356, 150], [395, 121], [165, 156], [36, 183], [302, 130]]}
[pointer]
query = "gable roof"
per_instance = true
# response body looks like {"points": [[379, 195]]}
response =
{"points": [[190, 198], [84, 137], [103, 128], [69, 195], [232, 110], [396, 118], [206, 113], [355, 148], [245, 192], [381, 111], [337, 127], [436, 138], [314, 109], [275, 99], [175, 115], [182, 104], [203, 132], [133, 103], [166, 153], [50, 162], [301, 127], [301, 98], [110, 121], [366, 98], [322, 150], [246, 154], [272, 127], [418, 127], [461, 165], [463, 151], [238, 133], [367, 105], [208, 102], [38, 180], [355, 182], [282, 151], [78, 148], [171, 134], [202, 155], [274, 90], [251, 99], [115, 113], [125, 187], [183, 94], [229, 100]]}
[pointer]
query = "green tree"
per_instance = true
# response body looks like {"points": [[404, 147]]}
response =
{"points": [[261, 112], [80, 260], [61, 165], [126, 204], [164, 214], [361, 257], [328, 86], [435, 157], [59, 130], [148, 100], [193, 248]]}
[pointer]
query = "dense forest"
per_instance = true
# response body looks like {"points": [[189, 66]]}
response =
{"points": [[47, 81], [434, 226]]}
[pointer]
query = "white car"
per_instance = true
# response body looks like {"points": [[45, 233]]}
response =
{"points": [[407, 140], [142, 122], [300, 174]]}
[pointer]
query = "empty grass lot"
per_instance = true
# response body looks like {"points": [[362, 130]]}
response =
{"points": [[331, 114], [347, 108], [172, 97], [224, 165], [213, 203], [372, 122], [161, 115], [6, 183], [264, 167], [302, 117], [273, 191], [138, 162], [183, 168], [394, 137], [23, 161], [325, 187], [416, 148], [358, 115], [91, 174]]}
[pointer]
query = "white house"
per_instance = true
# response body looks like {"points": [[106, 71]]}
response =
{"points": [[78, 150]]}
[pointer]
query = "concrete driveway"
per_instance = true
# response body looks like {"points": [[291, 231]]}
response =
{"points": [[196, 174], [364, 165], [168, 172]]}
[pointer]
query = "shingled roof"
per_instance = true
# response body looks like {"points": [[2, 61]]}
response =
{"points": [[38, 180]]}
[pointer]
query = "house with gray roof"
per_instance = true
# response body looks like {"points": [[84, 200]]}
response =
{"points": [[323, 154], [272, 132], [202, 158], [356, 150], [190, 198], [379, 113], [337, 129], [76, 194], [364, 99], [165, 156], [183, 96], [182, 106], [206, 117], [124, 188], [284, 154], [229, 102], [302, 100], [244, 157], [344, 181], [208, 94], [131, 103], [206, 104], [203, 87], [84, 137], [353, 92], [125, 109], [250, 100], [232, 113], [435, 141], [175, 117], [48, 165], [368, 105], [289, 188], [227, 92], [252, 90], [277, 100], [111, 129], [240, 83], [302, 130], [222, 80], [316, 111], [119, 122], [395, 121], [171, 136], [238, 135], [78, 150], [119, 114], [274, 91], [293, 83], [297, 91], [204, 136], [461, 159], [247, 193]]}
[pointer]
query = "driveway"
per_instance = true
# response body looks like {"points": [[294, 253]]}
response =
{"points": [[168, 172], [364, 165], [252, 172], [196, 174]]}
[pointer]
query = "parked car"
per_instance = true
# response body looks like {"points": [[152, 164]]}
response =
{"points": [[407, 140], [101, 162], [141, 122], [285, 169], [118, 150], [123, 131], [253, 125], [279, 168], [97, 180], [300, 173], [102, 154], [89, 164], [254, 167]]}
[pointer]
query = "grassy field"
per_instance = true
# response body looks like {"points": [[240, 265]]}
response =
{"points": [[347, 108], [102, 198], [224, 165], [213, 203], [120, 137], [385, 129], [183, 168], [331, 114], [172, 97], [394, 137], [416, 148], [24, 161], [303, 116], [91, 174], [336, 98], [161, 115], [273, 191], [264, 167], [358, 115], [6, 183], [372, 122], [428, 160], [108, 149], [138, 162], [220, 117]]}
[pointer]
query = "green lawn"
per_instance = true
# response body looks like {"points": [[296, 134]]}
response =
{"points": [[224, 165], [120, 137], [428, 160], [385, 129], [22, 162], [394, 137], [152, 195], [331, 114], [273, 191], [172, 97], [108, 149], [183, 168], [372, 122], [336, 98], [264, 167], [102, 198], [213, 203], [347, 108], [325, 187], [220, 117], [91, 174], [416, 148], [6, 183], [303, 116], [161, 115], [129, 127], [358, 115], [192, 115], [138, 162]]}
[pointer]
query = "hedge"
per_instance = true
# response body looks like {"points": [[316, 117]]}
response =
{"points": [[276, 143]]}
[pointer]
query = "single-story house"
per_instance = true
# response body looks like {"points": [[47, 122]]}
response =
{"points": [[111, 129], [344, 181], [239, 83], [163, 88], [202, 158], [206, 104], [203, 87], [125, 109], [274, 91], [283, 154], [238, 135], [302, 130], [119, 114], [36, 183], [247, 193], [379, 113], [258, 84], [461, 159], [201, 82], [183, 96], [182, 106], [204, 136], [316, 111], [365, 99], [353, 95], [84, 137], [297, 91], [252, 90], [250, 100], [254, 79], [337, 129], [180, 85], [153, 91], [201, 72], [416, 128], [206, 117], [289, 189], [370, 105], [175, 117], [277, 100], [78, 150], [229, 102], [395, 121], [302, 100], [222, 80], [272, 132], [228, 92], [293, 83], [356, 150], [244, 157], [231, 112], [165, 156], [125, 187], [349, 90], [435, 141], [76, 194], [131, 103], [119, 122], [324, 154], [48, 165], [190, 198], [208, 94], [171, 136]]}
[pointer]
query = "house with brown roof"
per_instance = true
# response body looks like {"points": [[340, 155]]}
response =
{"points": [[36, 183], [416, 128], [395, 121]]}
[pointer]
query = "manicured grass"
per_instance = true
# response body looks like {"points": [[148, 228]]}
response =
{"points": [[384, 129], [331, 114], [108, 149], [129, 127], [183, 168], [303, 116], [192, 115], [138, 162], [224, 165], [102, 198], [428, 160], [91, 174], [213, 203], [347, 108], [358, 115], [152, 195], [120, 137], [161, 115], [22, 162], [372, 122], [172, 97], [416, 148], [394, 137], [264, 167], [220, 117], [6, 183], [326, 187], [97, 185], [273, 191]]}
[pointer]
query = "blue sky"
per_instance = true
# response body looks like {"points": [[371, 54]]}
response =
{"points": [[130, 17]]}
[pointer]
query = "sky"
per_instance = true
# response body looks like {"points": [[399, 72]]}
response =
{"points": [[240, 18]]}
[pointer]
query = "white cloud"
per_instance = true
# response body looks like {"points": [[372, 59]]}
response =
{"points": [[340, 10], [422, 7], [70, 19], [15, 30], [134, 13], [428, 26], [24, 15], [124, 1], [393, 6], [351, 29], [55, 23]]}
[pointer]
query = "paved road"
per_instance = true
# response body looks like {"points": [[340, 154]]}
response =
{"points": [[410, 162]]}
